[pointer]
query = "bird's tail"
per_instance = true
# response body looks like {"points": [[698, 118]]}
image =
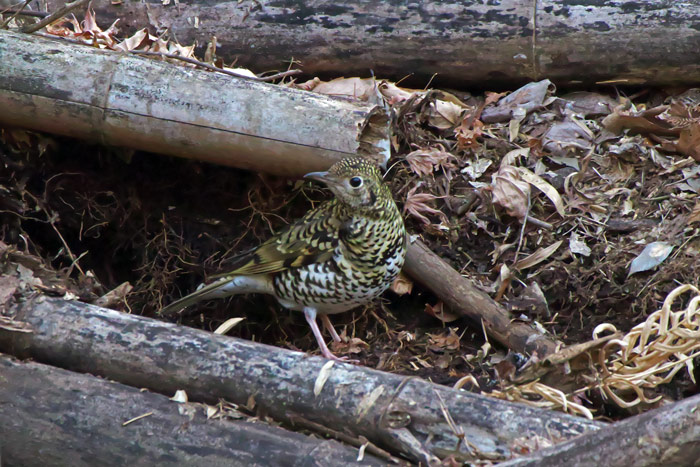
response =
{"points": [[224, 287]]}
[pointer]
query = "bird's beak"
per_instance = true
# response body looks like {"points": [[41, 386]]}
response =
{"points": [[323, 177]]}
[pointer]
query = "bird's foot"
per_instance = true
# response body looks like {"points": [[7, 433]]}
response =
{"points": [[310, 314], [329, 327], [335, 358]]}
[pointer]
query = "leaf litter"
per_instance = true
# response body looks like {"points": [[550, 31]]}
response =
{"points": [[600, 246]]}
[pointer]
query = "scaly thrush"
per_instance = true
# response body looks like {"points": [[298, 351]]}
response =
{"points": [[342, 254]]}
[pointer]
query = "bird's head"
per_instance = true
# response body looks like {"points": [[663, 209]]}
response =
{"points": [[356, 182]]}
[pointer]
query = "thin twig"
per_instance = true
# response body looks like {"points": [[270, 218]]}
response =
{"points": [[351, 440], [74, 260], [137, 418], [19, 11], [194, 61], [280, 75], [539, 223], [56, 15]]}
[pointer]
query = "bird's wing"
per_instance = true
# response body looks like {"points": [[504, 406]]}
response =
{"points": [[311, 239]]}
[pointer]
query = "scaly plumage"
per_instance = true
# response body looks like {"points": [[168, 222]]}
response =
{"points": [[342, 254]]}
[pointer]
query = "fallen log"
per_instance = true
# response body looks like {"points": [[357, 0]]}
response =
{"points": [[404, 415], [466, 42], [669, 435], [125, 100], [50, 416]]}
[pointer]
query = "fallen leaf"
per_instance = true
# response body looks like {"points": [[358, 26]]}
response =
{"points": [[438, 311], [353, 345], [443, 114], [447, 341], [426, 160], [227, 325], [510, 191], [402, 285], [114, 296], [586, 104], [468, 133], [544, 186], [476, 168], [528, 98], [538, 256], [578, 246], [322, 377], [651, 256], [689, 141], [416, 205], [180, 396], [646, 121], [563, 138], [694, 214], [364, 89]]}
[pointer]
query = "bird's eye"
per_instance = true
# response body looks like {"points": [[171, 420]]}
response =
{"points": [[356, 182]]}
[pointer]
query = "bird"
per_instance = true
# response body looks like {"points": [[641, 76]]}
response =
{"points": [[342, 254]]}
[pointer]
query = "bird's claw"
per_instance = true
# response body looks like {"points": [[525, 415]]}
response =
{"points": [[330, 356]]}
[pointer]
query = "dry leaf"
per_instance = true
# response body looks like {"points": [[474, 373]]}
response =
{"points": [[425, 161], [467, 133], [416, 205], [402, 285], [653, 254], [586, 104], [443, 114], [115, 296], [694, 214], [394, 94], [352, 345], [476, 168], [510, 191], [578, 246], [537, 257], [180, 396], [689, 141], [227, 325], [439, 311], [544, 186], [358, 88], [646, 121], [448, 341], [563, 138], [528, 98]]}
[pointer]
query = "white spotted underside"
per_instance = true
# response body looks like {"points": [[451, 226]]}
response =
{"points": [[335, 286]]}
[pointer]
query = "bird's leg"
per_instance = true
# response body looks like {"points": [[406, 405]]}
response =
{"points": [[310, 314], [329, 327]]}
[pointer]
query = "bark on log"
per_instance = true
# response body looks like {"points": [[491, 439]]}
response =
{"points": [[50, 416], [402, 414], [467, 42], [668, 436], [127, 100], [465, 299]]}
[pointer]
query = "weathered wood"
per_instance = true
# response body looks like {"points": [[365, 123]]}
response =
{"points": [[668, 436], [467, 42], [126, 100], [465, 299], [50, 416], [402, 414]]}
